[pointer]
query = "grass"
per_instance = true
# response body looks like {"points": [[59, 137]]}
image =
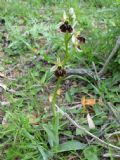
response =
{"points": [[30, 30]]}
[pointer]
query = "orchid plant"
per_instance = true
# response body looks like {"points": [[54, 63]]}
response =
{"points": [[67, 28]]}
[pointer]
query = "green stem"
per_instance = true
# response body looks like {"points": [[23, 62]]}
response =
{"points": [[55, 114], [66, 41], [55, 96]]}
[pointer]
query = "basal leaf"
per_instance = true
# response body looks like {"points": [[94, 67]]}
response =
{"points": [[70, 146]]}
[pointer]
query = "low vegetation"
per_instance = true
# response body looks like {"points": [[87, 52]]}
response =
{"points": [[59, 80]]}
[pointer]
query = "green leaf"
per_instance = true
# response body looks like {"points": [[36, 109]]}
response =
{"points": [[80, 132], [52, 138], [68, 97], [45, 154], [91, 153], [69, 146]]}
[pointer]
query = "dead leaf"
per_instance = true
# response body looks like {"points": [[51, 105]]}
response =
{"points": [[5, 103], [83, 101], [2, 75], [90, 122], [50, 98], [88, 102], [32, 118]]}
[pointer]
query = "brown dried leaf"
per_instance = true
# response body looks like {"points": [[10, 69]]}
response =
{"points": [[88, 102], [32, 118]]}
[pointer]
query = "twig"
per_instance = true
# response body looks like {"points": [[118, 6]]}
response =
{"points": [[86, 131], [101, 132], [113, 134], [107, 155], [71, 104], [81, 71], [75, 107], [114, 51]]}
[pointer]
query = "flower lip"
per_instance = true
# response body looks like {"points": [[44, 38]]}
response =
{"points": [[81, 39], [70, 29], [60, 72], [65, 27]]}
